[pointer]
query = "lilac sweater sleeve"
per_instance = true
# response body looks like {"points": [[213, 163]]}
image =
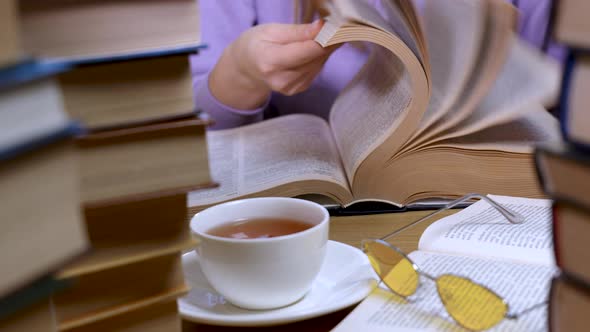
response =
{"points": [[221, 23]]}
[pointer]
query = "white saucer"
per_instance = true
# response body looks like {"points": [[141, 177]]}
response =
{"points": [[345, 279]]}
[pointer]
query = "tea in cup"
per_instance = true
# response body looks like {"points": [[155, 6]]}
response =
{"points": [[262, 253]]}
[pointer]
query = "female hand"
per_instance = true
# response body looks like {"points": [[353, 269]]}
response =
{"points": [[269, 57]]}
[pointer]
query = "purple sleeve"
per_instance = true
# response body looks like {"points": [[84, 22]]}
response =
{"points": [[221, 23]]}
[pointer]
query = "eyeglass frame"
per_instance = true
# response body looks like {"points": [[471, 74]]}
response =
{"points": [[512, 217]]}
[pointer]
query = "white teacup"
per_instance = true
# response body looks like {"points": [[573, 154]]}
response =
{"points": [[262, 273]]}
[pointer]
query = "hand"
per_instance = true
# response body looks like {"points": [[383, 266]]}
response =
{"points": [[269, 57]]}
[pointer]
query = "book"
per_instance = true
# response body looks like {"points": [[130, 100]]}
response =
{"points": [[30, 70], [564, 172], [36, 318], [77, 29], [28, 90], [574, 102], [107, 293], [571, 231], [568, 306], [410, 125], [33, 293], [140, 88], [513, 260], [156, 317], [55, 216], [570, 24], [133, 230], [39, 162], [11, 51], [145, 161]]}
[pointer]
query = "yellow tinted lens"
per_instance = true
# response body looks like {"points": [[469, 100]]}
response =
{"points": [[393, 268], [471, 305]]}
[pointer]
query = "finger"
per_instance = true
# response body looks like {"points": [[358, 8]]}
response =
{"points": [[289, 33], [302, 84], [294, 81], [298, 53]]}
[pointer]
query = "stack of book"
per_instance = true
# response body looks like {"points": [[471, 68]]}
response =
{"points": [[42, 228], [564, 170], [142, 150]]}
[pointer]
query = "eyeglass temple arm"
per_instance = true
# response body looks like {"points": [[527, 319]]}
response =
{"points": [[527, 310], [511, 216]]}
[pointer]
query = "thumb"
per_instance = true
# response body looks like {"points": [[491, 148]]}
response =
{"points": [[289, 33]]}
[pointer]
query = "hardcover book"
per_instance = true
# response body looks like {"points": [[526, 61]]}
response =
{"points": [[136, 89], [97, 28], [143, 162], [568, 306], [10, 38], [106, 293], [564, 172], [574, 117], [571, 232], [571, 25]]}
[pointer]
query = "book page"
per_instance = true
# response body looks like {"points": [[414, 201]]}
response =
{"points": [[454, 46], [534, 126], [521, 285], [394, 22], [400, 23], [370, 107], [492, 52], [480, 230], [265, 155], [381, 107], [527, 78]]}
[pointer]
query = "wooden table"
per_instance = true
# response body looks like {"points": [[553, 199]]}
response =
{"points": [[350, 230]]}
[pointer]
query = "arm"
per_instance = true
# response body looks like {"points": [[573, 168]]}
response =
{"points": [[268, 57], [221, 23], [253, 62]]}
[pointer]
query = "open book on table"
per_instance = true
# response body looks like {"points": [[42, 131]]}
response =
{"points": [[446, 104], [514, 260]]}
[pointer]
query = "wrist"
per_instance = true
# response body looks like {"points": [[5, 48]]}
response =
{"points": [[231, 85]]}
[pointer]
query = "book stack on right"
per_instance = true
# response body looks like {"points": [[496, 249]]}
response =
{"points": [[564, 171], [143, 150]]}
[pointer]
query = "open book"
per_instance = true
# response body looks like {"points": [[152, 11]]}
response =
{"points": [[447, 103], [515, 261]]}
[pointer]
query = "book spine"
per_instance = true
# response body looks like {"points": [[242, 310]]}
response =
{"points": [[564, 99], [562, 246], [562, 287], [565, 91], [546, 176]]}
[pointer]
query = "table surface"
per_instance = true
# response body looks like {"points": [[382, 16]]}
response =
{"points": [[350, 230]]}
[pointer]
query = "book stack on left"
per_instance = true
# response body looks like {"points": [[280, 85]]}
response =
{"points": [[41, 226], [142, 150], [564, 170]]}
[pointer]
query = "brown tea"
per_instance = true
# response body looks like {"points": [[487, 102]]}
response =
{"points": [[256, 228]]}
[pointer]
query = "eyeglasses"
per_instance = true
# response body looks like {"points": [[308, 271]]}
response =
{"points": [[470, 304]]}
